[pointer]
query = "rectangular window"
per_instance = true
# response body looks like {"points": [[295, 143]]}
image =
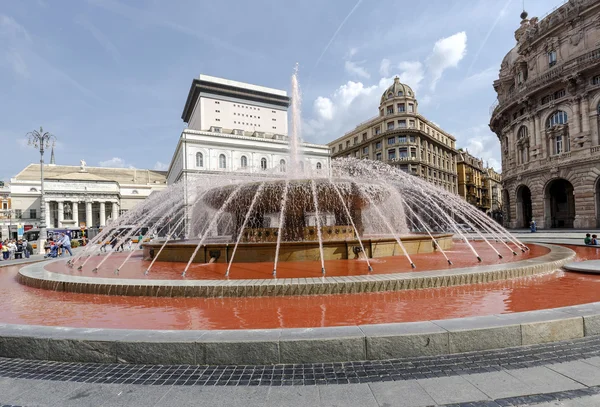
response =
{"points": [[412, 139], [411, 124], [356, 153], [559, 144], [18, 213], [390, 126], [377, 130], [403, 152], [401, 139], [390, 110], [332, 150], [356, 140], [404, 167], [340, 147], [411, 108], [391, 140], [596, 80], [401, 107], [546, 99], [366, 150], [392, 154], [364, 137], [378, 145], [413, 153], [32, 213], [378, 156], [551, 58], [347, 143], [402, 124], [559, 94]]}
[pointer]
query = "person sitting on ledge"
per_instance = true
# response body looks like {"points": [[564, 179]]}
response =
{"points": [[594, 240], [588, 239]]}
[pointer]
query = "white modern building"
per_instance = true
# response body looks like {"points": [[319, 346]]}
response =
{"points": [[79, 195], [236, 127]]}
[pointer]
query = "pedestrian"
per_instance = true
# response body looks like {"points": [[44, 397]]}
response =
{"points": [[29, 251], [140, 239], [533, 226], [65, 243], [5, 251]]}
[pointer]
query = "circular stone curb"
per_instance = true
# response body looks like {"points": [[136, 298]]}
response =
{"points": [[37, 276], [299, 346], [589, 266]]}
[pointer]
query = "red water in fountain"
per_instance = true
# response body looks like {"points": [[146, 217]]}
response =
{"points": [[25, 305], [460, 255]]}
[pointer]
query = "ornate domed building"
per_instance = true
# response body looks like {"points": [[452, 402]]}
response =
{"points": [[401, 136], [547, 119]]}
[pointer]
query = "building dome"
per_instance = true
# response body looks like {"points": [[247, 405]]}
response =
{"points": [[397, 90]]}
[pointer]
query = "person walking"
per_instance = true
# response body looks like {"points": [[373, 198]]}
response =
{"points": [[65, 243], [28, 249]]}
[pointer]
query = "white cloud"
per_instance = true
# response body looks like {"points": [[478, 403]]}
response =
{"points": [[411, 73], [324, 108], [352, 51], [384, 67], [447, 53], [161, 166], [114, 162], [481, 143], [354, 69]]}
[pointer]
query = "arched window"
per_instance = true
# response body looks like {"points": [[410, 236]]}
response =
{"points": [[390, 95], [319, 166], [199, 160], [522, 133], [222, 161], [135, 192], [263, 163], [557, 118], [282, 166], [33, 190], [400, 93], [244, 161]]}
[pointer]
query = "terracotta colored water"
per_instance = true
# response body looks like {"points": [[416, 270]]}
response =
{"points": [[460, 255], [24, 305]]}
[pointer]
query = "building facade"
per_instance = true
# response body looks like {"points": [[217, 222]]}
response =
{"points": [[400, 136], [547, 119], [237, 127], [6, 213], [492, 181], [79, 195], [471, 181]]}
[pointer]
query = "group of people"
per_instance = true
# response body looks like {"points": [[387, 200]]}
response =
{"points": [[590, 240], [15, 249], [60, 246]]}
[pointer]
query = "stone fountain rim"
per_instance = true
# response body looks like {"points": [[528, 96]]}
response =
{"points": [[35, 275]]}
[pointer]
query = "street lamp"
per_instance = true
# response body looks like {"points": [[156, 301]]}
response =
{"points": [[41, 140]]}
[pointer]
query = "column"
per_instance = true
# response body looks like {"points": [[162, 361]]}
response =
{"points": [[88, 215], [115, 211], [585, 114], [102, 214], [47, 214], [576, 119], [76, 213], [537, 133], [61, 213]]}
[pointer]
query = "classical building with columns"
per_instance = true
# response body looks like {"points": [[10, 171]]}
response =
{"points": [[547, 119], [235, 127], [79, 195]]}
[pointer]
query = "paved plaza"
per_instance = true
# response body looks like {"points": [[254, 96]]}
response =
{"points": [[559, 374]]}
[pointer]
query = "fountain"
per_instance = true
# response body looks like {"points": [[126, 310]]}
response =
{"points": [[268, 250]]}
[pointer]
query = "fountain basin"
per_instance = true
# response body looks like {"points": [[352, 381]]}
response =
{"points": [[36, 275], [252, 252]]}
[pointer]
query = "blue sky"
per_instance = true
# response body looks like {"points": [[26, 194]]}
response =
{"points": [[110, 77]]}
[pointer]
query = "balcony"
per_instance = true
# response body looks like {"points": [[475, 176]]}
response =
{"points": [[555, 73]]}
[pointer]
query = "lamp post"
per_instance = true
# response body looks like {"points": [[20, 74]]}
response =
{"points": [[42, 140]]}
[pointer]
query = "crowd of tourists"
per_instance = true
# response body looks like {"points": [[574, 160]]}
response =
{"points": [[15, 249]]}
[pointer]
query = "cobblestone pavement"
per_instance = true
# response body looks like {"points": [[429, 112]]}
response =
{"points": [[306, 374]]}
